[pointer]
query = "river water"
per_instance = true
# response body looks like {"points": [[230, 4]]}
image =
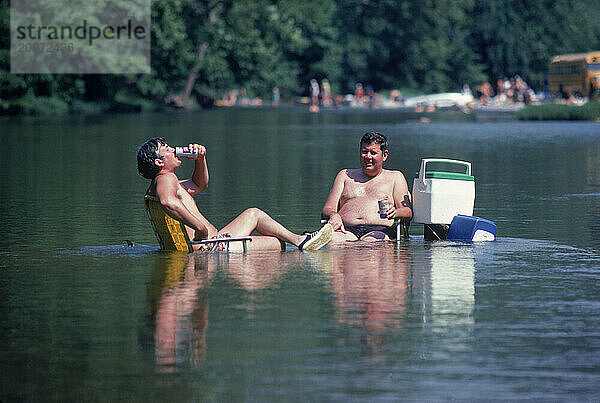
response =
{"points": [[84, 317]]}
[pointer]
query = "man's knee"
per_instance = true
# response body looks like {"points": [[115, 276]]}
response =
{"points": [[253, 212]]}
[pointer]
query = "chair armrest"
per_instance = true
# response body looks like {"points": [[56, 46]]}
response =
{"points": [[224, 239]]}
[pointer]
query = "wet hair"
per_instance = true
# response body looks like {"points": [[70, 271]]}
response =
{"points": [[146, 155], [375, 137]]}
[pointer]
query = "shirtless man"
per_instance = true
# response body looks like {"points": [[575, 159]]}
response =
{"points": [[157, 161], [352, 207]]}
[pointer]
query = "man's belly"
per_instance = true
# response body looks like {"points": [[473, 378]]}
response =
{"points": [[362, 210]]}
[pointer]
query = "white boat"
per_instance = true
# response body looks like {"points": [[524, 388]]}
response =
{"points": [[442, 100]]}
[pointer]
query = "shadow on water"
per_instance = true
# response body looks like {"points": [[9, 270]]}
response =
{"points": [[116, 250]]}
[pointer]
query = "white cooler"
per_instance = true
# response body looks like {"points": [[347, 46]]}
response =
{"points": [[442, 189]]}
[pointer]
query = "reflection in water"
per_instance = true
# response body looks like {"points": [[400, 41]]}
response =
{"points": [[370, 287], [181, 316], [181, 309], [446, 288], [257, 270], [369, 292]]}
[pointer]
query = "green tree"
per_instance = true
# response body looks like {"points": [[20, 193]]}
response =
{"points": [[519, 36], [421, 45], [262, 44], [436, 50], [208, 47]]}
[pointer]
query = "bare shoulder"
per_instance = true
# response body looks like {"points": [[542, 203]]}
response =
{"points": [[353, 174], [396, 175], [342, 175], [166, 178], [167, 182], [398, 178]]}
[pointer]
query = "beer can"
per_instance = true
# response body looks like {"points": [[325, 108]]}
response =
{"points": [[185, 152], [383, 206]]}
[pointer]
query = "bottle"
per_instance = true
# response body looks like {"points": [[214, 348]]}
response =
{"points": [[185, 152]]}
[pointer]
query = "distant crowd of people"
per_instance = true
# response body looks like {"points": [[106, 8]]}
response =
{"points": [[320, 95], [363, 96], [516, 90], [508, 90], [238, 98]]}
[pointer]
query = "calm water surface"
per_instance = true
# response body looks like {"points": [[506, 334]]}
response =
{"points": [[83, 317]]}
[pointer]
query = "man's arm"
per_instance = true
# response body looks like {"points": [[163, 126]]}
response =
{"points": [[166, 190], [402, 204], [330, 209], [199, 181]]}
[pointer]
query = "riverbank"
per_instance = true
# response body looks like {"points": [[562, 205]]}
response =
{"points": [[553, 111], [45, 106]]}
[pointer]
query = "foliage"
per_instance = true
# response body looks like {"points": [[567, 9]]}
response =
{"points": [[589, 111], [223, 45], [520, 36]]}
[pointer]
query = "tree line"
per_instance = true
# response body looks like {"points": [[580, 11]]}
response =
{"points": [[203, 48]]}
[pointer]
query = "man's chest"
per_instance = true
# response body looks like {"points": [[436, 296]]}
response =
{"points": [[375, 188]]}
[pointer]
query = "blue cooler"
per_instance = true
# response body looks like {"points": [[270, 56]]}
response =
{"points": [[468, 228]]}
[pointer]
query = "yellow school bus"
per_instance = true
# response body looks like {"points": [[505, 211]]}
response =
{"points": [[577, 74]]}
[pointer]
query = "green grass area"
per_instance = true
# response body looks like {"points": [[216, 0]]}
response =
{"points": [[30, 104], [589, 111]]}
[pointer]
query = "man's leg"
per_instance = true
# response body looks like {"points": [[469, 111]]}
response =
{"points": [[375, 236], [260, 242], [340, 238], [256, 219]]}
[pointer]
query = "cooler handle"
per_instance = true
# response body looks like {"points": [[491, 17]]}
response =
{"points": [[425, 161]]}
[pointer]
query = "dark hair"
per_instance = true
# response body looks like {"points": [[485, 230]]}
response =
{"points": [[146, 155], [375, 137]]}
